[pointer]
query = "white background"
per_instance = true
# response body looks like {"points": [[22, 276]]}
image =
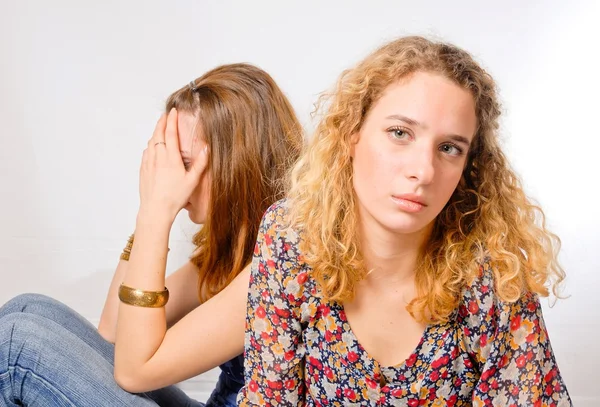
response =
{"points": [[82, 84]]}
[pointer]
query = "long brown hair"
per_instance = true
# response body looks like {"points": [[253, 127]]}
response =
{"points": [[254, 137], [489, 214]]}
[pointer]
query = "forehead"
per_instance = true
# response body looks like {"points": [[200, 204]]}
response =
{"points": [[186, 122], [190, 130], [432, 100]]}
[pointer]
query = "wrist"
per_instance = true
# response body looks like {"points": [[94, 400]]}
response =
{"points": [[149, 216]]}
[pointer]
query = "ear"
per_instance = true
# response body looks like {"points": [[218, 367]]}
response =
{"points": [[353, 140]]}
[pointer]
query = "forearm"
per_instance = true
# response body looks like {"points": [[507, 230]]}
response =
{"points": [[140, 330], [108, 320]]}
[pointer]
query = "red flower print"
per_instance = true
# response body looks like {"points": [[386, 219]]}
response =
{"points": [[283, 313], [253, 386], [439, 362], [515, 323], [473, 307], [289, 355], [315, 362], [411, 360], [468, 363], [352, 357], [274, 385], [302, 277], [371, 383], [488, 373], [457, 362], [350, 394], [483, 340]]}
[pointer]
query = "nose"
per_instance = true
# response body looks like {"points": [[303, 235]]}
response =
{"points": [[420, 166]]}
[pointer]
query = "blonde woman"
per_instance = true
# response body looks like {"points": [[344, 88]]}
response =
{"points": [[405, 267]]}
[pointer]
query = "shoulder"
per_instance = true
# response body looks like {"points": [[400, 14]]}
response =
{"points": [[275, 234], [481, 293], [482, 313], [278, 253]]}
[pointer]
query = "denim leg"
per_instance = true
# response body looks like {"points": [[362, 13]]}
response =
{"points": [[64, 316], [51, 356], [225, 393]]}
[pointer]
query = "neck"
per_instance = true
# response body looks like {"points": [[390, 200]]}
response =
{"points": [[390, 257]]}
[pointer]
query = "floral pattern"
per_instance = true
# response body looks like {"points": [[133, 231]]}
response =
{"points": [[300, 349]]}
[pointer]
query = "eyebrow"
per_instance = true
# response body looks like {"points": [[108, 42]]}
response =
{"points": [[413, 122]]}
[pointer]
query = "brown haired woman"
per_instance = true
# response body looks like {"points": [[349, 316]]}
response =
{"points": [[221, 152], [404, 269]]}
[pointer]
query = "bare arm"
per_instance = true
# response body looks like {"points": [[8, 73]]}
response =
{"points": [[183, 288], [147, 356], [209, 335]]}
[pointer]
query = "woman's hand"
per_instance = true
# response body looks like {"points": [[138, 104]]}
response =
{"points": [[165, 185]]}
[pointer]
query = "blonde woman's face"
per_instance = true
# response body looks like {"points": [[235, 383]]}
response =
{"points": [[410, 153], [191, 140]]}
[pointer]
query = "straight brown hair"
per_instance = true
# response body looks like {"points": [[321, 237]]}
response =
{"points": [[253, 138]]}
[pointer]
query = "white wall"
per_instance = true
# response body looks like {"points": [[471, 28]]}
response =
{"points": [[82, 84]]}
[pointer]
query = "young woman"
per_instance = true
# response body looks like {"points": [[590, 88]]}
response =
{"points": [[221, 153], [406, 264]]}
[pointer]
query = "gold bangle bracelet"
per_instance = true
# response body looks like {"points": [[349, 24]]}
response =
{"points": [[141, 298], [127, 249]]}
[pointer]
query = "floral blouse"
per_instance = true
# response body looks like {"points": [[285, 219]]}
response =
{"points": [[300, 349]]}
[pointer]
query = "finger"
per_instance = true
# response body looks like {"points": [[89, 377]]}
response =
{"points": [[159, 132], [147, 159], [172, 135], [200, 164]]}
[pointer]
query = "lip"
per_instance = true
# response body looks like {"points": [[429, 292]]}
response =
{"points": [[409, 202]]}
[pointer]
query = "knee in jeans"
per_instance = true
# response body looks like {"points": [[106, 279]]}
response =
{"points": [[22, 301]]}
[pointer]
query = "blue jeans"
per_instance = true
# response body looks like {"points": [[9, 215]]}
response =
{"points": [[51, 356]]}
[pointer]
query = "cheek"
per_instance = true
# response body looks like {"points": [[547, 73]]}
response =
{"points": [[197, 197], [373, 166], [447, 182]]}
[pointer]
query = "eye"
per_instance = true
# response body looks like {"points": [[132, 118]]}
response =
{"points": [[451, 149], [398, 133]]}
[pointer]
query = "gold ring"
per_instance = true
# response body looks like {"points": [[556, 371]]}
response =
{"points": [[160, 142]]}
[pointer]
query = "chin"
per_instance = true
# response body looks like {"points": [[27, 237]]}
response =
{"points": [[405, 224], [198, 220]]}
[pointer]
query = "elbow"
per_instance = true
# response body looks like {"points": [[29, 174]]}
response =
{"points": [[129, 381], [108, 336], [105, 332]]}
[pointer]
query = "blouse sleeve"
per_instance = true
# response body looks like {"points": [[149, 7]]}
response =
{"points": [[509, 344], [273, 350]]}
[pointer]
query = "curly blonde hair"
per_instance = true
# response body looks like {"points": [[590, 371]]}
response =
{"points": [[488, 215]]}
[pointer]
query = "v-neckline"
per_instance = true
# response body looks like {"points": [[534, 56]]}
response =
{"points": [[396, 367]]}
